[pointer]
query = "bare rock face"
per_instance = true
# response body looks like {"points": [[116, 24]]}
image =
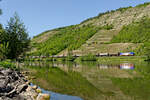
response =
{"points": [[13, 86]]}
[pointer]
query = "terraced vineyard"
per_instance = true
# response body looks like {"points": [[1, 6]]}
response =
{"points": [[100, 43], [98, 34]]}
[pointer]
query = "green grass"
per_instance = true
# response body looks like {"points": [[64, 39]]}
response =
{"points": [[123, 58], [88, 57], [7, 64]]}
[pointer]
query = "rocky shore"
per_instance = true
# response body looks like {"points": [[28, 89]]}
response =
{"points": [[14, 86]]}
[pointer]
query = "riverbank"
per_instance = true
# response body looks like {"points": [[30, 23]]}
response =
{"points": [[122, 58], [14, 86], [90, 58]]}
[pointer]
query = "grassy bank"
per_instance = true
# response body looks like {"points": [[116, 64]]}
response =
{"points": [[7, 64], [121, 58], [90, 58]]}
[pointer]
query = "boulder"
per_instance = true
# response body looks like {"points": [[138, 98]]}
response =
{"points": [[34, 87], [43, 96], [21, 88], [38, 90], [13, 86]]}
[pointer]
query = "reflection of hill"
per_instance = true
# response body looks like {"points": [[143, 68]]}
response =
{"points": [[81, 79], [72, 83]]}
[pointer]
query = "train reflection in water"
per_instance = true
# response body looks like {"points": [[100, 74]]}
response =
{"points": [[127, 66]]}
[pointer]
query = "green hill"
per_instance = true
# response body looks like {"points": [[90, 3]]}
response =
{"points": [[121, 30]]}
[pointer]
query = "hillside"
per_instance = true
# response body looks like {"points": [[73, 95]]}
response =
{"points": [[102, 33]]}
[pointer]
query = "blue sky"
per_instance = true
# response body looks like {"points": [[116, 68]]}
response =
{"points": [[42, 15]]}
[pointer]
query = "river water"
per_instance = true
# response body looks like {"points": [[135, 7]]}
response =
{"points": [[91, 80]]}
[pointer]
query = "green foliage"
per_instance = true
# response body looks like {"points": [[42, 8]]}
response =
{"points": [[147, 51], [2, 34], [137, 32], [71, 37], [57, 29], [143, 5], [122, 9], [88, 57], [108, 27], [4, 50], [7, 64], [17, 36], [42, 34]]}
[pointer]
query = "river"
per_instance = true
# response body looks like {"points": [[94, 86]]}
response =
{"points": [[92, 80]]}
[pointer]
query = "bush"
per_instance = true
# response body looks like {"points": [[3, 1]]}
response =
{"points": [[88, 57], [7, 64]]}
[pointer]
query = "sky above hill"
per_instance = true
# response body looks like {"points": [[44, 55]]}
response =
{"points": [[42, 15]]}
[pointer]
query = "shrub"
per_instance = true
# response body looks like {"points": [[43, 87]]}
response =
{"points": [[88, 57]]}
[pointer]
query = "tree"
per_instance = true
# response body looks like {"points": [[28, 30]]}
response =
{"points": [[17, 36], [4, 50]]}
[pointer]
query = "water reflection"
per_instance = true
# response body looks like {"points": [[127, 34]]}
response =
{"points": [[57, 96], [127, 66], [120, 65], [93, 80]]}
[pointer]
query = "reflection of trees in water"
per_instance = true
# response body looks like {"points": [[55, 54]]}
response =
{"points": [[72, 66]]}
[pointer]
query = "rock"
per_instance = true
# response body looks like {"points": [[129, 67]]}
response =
{"points": [[7, 72], [43, 96], [34, 87], [28, 82], [21, 88], [38, 90], [29, 88], [13, 86]]}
